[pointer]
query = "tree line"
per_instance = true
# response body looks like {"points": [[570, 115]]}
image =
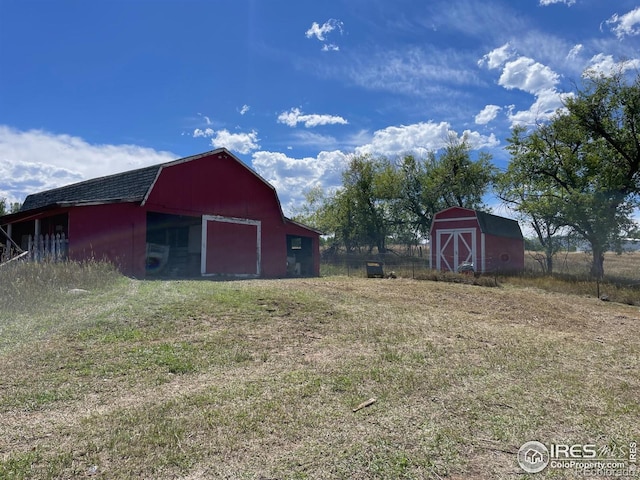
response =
{"points": [[577, 174], [6, 208]]}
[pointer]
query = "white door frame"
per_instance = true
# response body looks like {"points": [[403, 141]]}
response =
{"points": [[242, 221], [455, 235]]}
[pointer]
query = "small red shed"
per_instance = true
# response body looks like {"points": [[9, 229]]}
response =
{"points": [[464, 236], [208, 214]]}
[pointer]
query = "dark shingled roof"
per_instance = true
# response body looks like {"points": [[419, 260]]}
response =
{"points": [[129, 186], [498, 226]]}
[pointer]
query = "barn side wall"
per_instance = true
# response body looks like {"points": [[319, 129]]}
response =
{"points": [[297, 230], [219, 185], [111, 232]]}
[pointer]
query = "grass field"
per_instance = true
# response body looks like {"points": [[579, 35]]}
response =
{"points": [[259, 379], [571, 273]]}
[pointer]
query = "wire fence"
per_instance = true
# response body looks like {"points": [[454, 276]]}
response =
{"points": [[416, 263]]}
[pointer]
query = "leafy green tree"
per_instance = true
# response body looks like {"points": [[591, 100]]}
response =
{"points": [[582, 169], [608, 109], [381, 200], [418, 200], [367, 189], [529, 196], [457, 180]]}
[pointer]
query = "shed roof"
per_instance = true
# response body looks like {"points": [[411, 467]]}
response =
{"points": [[498, 226], [488, 223]]}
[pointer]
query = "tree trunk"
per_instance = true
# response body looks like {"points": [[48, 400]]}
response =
{"points": [[549, 256], [597, 265], [548, 251]]}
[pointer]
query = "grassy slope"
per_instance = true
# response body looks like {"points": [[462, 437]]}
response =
{"points": [[259, 378]]}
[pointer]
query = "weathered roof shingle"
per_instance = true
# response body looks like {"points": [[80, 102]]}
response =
{"points": [[127, 186], [498, 226]]}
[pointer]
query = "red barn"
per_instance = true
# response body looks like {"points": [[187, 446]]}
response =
{"points": [[463, 236], [208, 214]]}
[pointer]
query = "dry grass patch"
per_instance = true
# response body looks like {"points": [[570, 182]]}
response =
{"points": [[259, 378]]}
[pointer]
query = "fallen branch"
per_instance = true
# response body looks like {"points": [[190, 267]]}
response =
{"points": [[369, 402]]}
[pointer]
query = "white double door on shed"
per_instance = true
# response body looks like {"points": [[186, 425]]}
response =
{"points": [[455, 247]]}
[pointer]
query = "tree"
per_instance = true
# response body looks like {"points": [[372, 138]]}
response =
{"points": [[361, 212], [418, 201], [527, 195], [10, 208], [381, 200], [583, 166], [366, 194], [608, 109], [457, 180]]}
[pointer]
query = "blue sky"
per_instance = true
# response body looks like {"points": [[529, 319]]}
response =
{"points": [[293, 88]]}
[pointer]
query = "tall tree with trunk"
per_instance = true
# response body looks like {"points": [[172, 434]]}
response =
{"points": [[530, 197], [585, 164]]}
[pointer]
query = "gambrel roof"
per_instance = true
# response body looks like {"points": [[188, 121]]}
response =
{"points": [[498, 226], [130, 186], [487, 222]]}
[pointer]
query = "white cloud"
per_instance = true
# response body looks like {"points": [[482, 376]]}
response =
{"points": [[424, 72], [606, 65], [291, 177], [547, 103], [320, 31], [35, 160], [528, 75], [245, 108], [545, 3], [497, 57], [487, 114], [207, 132], [239, 142], [627, 24], [418, 138], [295, 116], [330, 47], [575, 51], [524, 73], [206, 119]]}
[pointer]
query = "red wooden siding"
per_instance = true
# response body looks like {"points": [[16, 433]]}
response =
{"points": [[457, 237], [231, 248], [113, 232], [214, 184]]}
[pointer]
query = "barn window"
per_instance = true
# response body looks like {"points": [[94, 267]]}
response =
{"points": [[296, 243], [505, 257]]}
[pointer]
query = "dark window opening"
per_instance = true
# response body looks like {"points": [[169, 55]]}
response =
{"points": [[299, 256], [173, 245]]}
